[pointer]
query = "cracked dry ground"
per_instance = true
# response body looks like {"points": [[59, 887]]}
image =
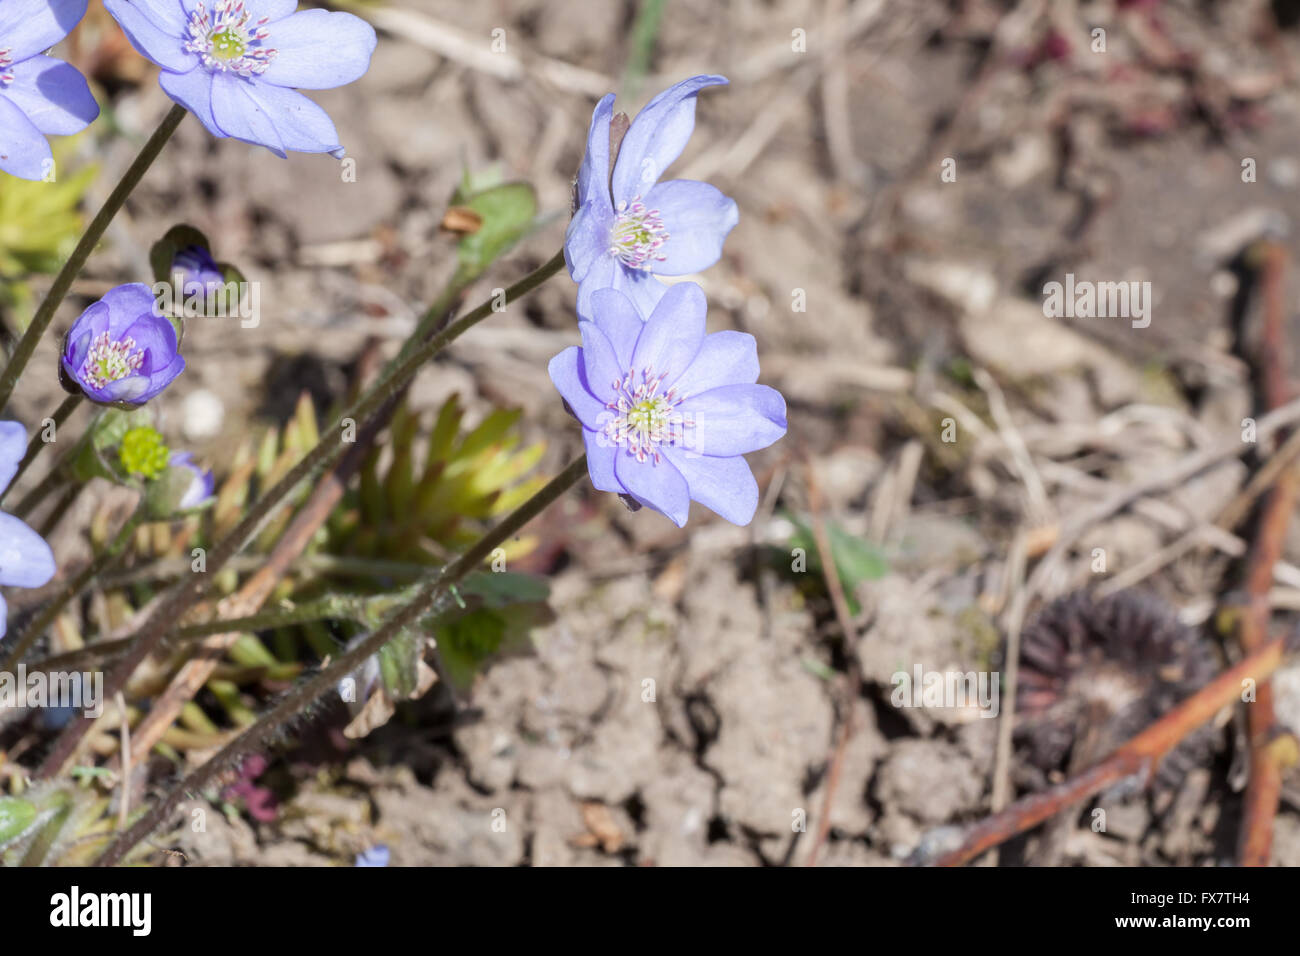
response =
{"points": [[590, 770], [562, 757]]}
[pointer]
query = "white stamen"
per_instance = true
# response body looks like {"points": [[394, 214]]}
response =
{"points": [[645, 420], [227, 42], [109, 361], [637, 235]]}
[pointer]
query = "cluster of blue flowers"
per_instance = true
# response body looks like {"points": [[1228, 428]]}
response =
{"points": [[666, 410], [235, 64]]}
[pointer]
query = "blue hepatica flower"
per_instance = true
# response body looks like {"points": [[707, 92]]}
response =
{"points": [[667, 411], [39, 95], [122, 350], [628, 226], [375, 856], [201, 483], [238, 64], [25, 559]]}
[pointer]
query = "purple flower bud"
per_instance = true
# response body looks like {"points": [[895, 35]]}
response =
{"points": [[667, 411], [39, 95], [199, 272], [238, 64], [122, 350], [25, 559], [201, 484], [375, 856], [629, 226]]}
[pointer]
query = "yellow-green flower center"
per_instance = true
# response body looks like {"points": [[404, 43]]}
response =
{"points": [[644, 419], [637, 235], [228, 40], [646, 416], [110, 361], [228, 45]]}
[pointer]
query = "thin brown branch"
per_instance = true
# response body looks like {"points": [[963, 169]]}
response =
{"points": [[1265, 784], [248, 600], [852, 685], [1136, 759]]}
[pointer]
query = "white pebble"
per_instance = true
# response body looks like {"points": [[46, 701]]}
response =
{"points": [[202, 413]]}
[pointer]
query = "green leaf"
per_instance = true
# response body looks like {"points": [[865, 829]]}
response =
{"points": [[230, 273], [16, 816], [501, 610], [499, 589], [399, 483], [644, 34], [507, 212], [444, 433], [466, 641], [40, 221], [855, 560], [399, 663]]}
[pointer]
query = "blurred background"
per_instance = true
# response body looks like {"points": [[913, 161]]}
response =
{"points": [[910, 173]]}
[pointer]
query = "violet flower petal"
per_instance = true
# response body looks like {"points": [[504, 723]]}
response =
{"points": [[725, 486], [52, 94], [698, 218], [658, 485], [734, 419], [657, 137]]}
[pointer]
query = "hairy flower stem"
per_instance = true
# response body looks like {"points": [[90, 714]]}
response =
{"points": [[37, 442], [90, 238], [59, 474], [32, 500], [301, 697], [436, 313], [61, 508], [72, 589], [311, 565], [332, 607], [324, 455]]}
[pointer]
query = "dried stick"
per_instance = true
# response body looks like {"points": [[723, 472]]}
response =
{"points": [[852, 679], [1265, 784], [248, 600], [1136, 758], [295, 703], [1186, 468]]}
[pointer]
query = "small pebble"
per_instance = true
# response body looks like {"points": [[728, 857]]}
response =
{"points": [[202, 412]]}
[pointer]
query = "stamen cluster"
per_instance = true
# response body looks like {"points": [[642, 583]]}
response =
{"points": [[644, 419], [226, 41], [111, 361], [637, 235]]}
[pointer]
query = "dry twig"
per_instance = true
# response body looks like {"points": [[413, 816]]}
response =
{"points": [[853, 678], [1264, 788], [1136, 759]]}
